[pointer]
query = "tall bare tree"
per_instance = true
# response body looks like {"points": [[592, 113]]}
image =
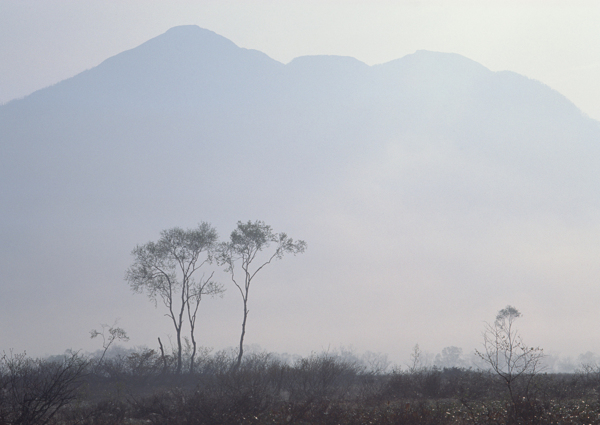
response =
{"points": [[242, 251], [165, 271], [514, 362]]}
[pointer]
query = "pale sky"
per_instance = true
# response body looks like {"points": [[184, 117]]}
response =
{"points": [[556, 42]]}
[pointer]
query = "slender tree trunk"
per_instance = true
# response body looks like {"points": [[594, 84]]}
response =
{"points": [[179, 347], [178, 324], [513, 400], [192, 321], [241, 352], [179, 350], [193, 357], [162, 354], [181, 311]]}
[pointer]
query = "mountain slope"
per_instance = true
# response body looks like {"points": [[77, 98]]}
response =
{"points": [[423, 186]]}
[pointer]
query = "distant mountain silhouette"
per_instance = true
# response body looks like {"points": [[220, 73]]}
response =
{"points": [[189, 127]]}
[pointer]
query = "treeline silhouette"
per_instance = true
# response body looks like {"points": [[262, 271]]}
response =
{"points": [[323, 388]]}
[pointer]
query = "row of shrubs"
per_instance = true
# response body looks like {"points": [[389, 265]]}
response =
{"points": [[140, 387]]}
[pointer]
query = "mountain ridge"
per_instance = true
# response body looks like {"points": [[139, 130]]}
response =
{"points": [[215, 53], [426, 175]]}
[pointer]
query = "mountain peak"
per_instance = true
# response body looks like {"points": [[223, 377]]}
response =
{"points": [[189, 37], [430, 61], [188, 29]]}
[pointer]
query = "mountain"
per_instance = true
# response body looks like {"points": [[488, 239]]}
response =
{"points": [[426, 172]]}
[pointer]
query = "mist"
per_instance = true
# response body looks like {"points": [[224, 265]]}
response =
{"points": [[431, 192]]}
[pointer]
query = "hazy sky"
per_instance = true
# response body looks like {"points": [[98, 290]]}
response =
{"points": [[556, 42]]}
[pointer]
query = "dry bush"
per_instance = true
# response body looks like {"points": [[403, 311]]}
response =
{"points": [[435, 384], [32, 391], [323, 376], [319, 389]]}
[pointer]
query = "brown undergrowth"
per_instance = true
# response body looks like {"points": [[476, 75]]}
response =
{"points": [[319, 389]]}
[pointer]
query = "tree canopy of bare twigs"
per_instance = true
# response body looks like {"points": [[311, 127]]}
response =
{"points": [[513, 361], [243, 250], [115, 333], [166, 270]]}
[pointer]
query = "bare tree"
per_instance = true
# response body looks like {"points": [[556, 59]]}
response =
{"points": [[509, 357], [246, 242], [114, 333], [165, 270], [416, 361], [450, 357]]}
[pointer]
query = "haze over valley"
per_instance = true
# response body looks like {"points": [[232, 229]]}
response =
{"points": [[430, 190]]}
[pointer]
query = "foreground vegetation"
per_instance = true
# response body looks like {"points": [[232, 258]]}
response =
{"points": [[142, 387]]}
